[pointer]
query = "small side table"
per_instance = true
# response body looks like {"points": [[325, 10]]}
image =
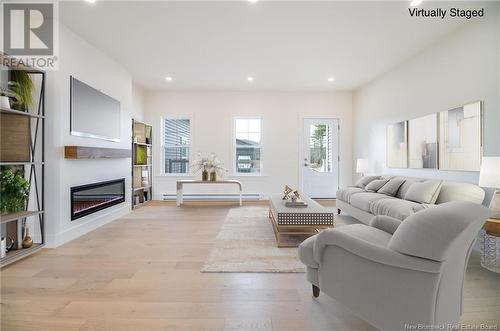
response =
{"points": [[490, 245]]}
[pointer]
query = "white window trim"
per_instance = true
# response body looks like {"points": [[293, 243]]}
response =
{"points": [[261, 146], [162, 146]]}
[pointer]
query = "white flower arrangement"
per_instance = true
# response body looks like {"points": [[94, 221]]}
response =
{"points": [[208, 163]]}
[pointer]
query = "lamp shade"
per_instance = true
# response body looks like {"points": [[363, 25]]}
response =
{"points": [[362, 166], [490, 172]]}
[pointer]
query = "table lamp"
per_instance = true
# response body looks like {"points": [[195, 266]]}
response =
{"points": [[490, 177], [362, 166]]}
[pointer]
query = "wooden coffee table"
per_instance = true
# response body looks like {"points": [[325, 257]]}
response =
{"points": [[298, 220]]}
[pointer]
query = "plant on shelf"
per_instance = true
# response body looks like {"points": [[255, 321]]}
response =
{"points": [[22, 87], [14, 192], [208, 164]]}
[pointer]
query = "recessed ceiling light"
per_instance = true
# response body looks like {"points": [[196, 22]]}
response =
{"points": [[90, 1], [331, 79], [416, 3], [250, 79], [253, 1], [168, 79]]}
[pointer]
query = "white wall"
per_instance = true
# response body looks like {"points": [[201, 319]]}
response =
{"points": [[212, 115], [82, 60], [461, 68], [138, 102]]}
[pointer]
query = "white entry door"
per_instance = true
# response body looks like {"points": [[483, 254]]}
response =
{"points": [[320, 158]]}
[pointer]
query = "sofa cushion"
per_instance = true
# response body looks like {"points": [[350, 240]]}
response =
{"points": [[409, 181], [426, 192], [365, 180], [345, 193], [364, 200], [385, 223], [436, 232], [453, 191], [392, 186], [376, 185], [396, 208]]}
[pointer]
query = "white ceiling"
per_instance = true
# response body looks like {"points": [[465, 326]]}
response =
{"points": [[283, 45]]}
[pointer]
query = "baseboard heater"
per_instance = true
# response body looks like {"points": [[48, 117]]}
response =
{"points": [[214, 196]]}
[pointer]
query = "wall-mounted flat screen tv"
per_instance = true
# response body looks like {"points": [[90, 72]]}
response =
{"points": [[93, 113]]}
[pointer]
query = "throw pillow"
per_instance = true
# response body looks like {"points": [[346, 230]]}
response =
{"points": [[426, 192], [365, 180], [376, 185], [392, 186]]}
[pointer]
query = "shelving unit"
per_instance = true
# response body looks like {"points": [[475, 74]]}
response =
{"points": [[142, 163], [22, 150]]}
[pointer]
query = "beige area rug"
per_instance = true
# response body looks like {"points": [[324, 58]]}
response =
{"points": [[246, 243]]}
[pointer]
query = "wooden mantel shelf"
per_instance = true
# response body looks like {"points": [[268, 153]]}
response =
{"points": [[84, 152]]}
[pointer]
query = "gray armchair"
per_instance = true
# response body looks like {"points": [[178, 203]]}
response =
{"points": [[394, 273]]}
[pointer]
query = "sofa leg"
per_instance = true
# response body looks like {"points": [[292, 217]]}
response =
{"points": [[315, 291], [338, 211]]}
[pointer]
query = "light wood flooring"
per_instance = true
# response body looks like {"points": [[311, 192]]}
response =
{"points": [[142, 272]]}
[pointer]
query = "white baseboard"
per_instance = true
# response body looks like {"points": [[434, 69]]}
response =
{"points": [[80, 229]]}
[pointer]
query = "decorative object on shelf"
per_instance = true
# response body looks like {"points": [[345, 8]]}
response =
{"points": [[286, 192], [3, 247], [397, 145], [213, 176], [460, 138], [145, 178], [141, 155], [148, 134], [10, 246], [27, 241], [4, 101], [14, 192], [423, 142], [14, 137], [22, 88], [204, 175], [490, 177], [362, 166], [209, 165]]}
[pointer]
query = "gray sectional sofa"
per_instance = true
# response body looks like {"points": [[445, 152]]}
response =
{"points": [[400, 197]]}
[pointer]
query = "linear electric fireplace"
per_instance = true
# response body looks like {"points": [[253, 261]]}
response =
{"points": [[88, 199]]}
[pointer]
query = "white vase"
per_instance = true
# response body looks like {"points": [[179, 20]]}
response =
{"points": [[4, 102]]}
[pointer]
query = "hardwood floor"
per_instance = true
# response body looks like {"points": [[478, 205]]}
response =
{"points": [[142, 272]]}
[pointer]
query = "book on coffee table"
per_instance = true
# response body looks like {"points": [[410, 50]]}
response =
{"points": [[296, 203]]}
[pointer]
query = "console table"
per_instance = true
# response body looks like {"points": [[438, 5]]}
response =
{"points": [[181, 183]]}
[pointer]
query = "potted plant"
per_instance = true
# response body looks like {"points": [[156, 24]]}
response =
{"points": [[21, 86], [14, 192]]}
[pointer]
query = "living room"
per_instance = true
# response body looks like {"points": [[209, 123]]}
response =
{"points": [[224, 136]]}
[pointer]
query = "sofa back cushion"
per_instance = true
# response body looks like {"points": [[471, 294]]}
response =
{"points": [[425, 192], [406, 186], [376, 185], [365, 180], [440, 231], [392, 186], [454, 191]]}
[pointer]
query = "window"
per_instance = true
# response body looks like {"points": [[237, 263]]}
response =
{"points": [[176, 134], [248, 145]]}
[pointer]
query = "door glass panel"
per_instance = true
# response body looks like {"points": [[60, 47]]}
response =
{"points": [[320, 155]]}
